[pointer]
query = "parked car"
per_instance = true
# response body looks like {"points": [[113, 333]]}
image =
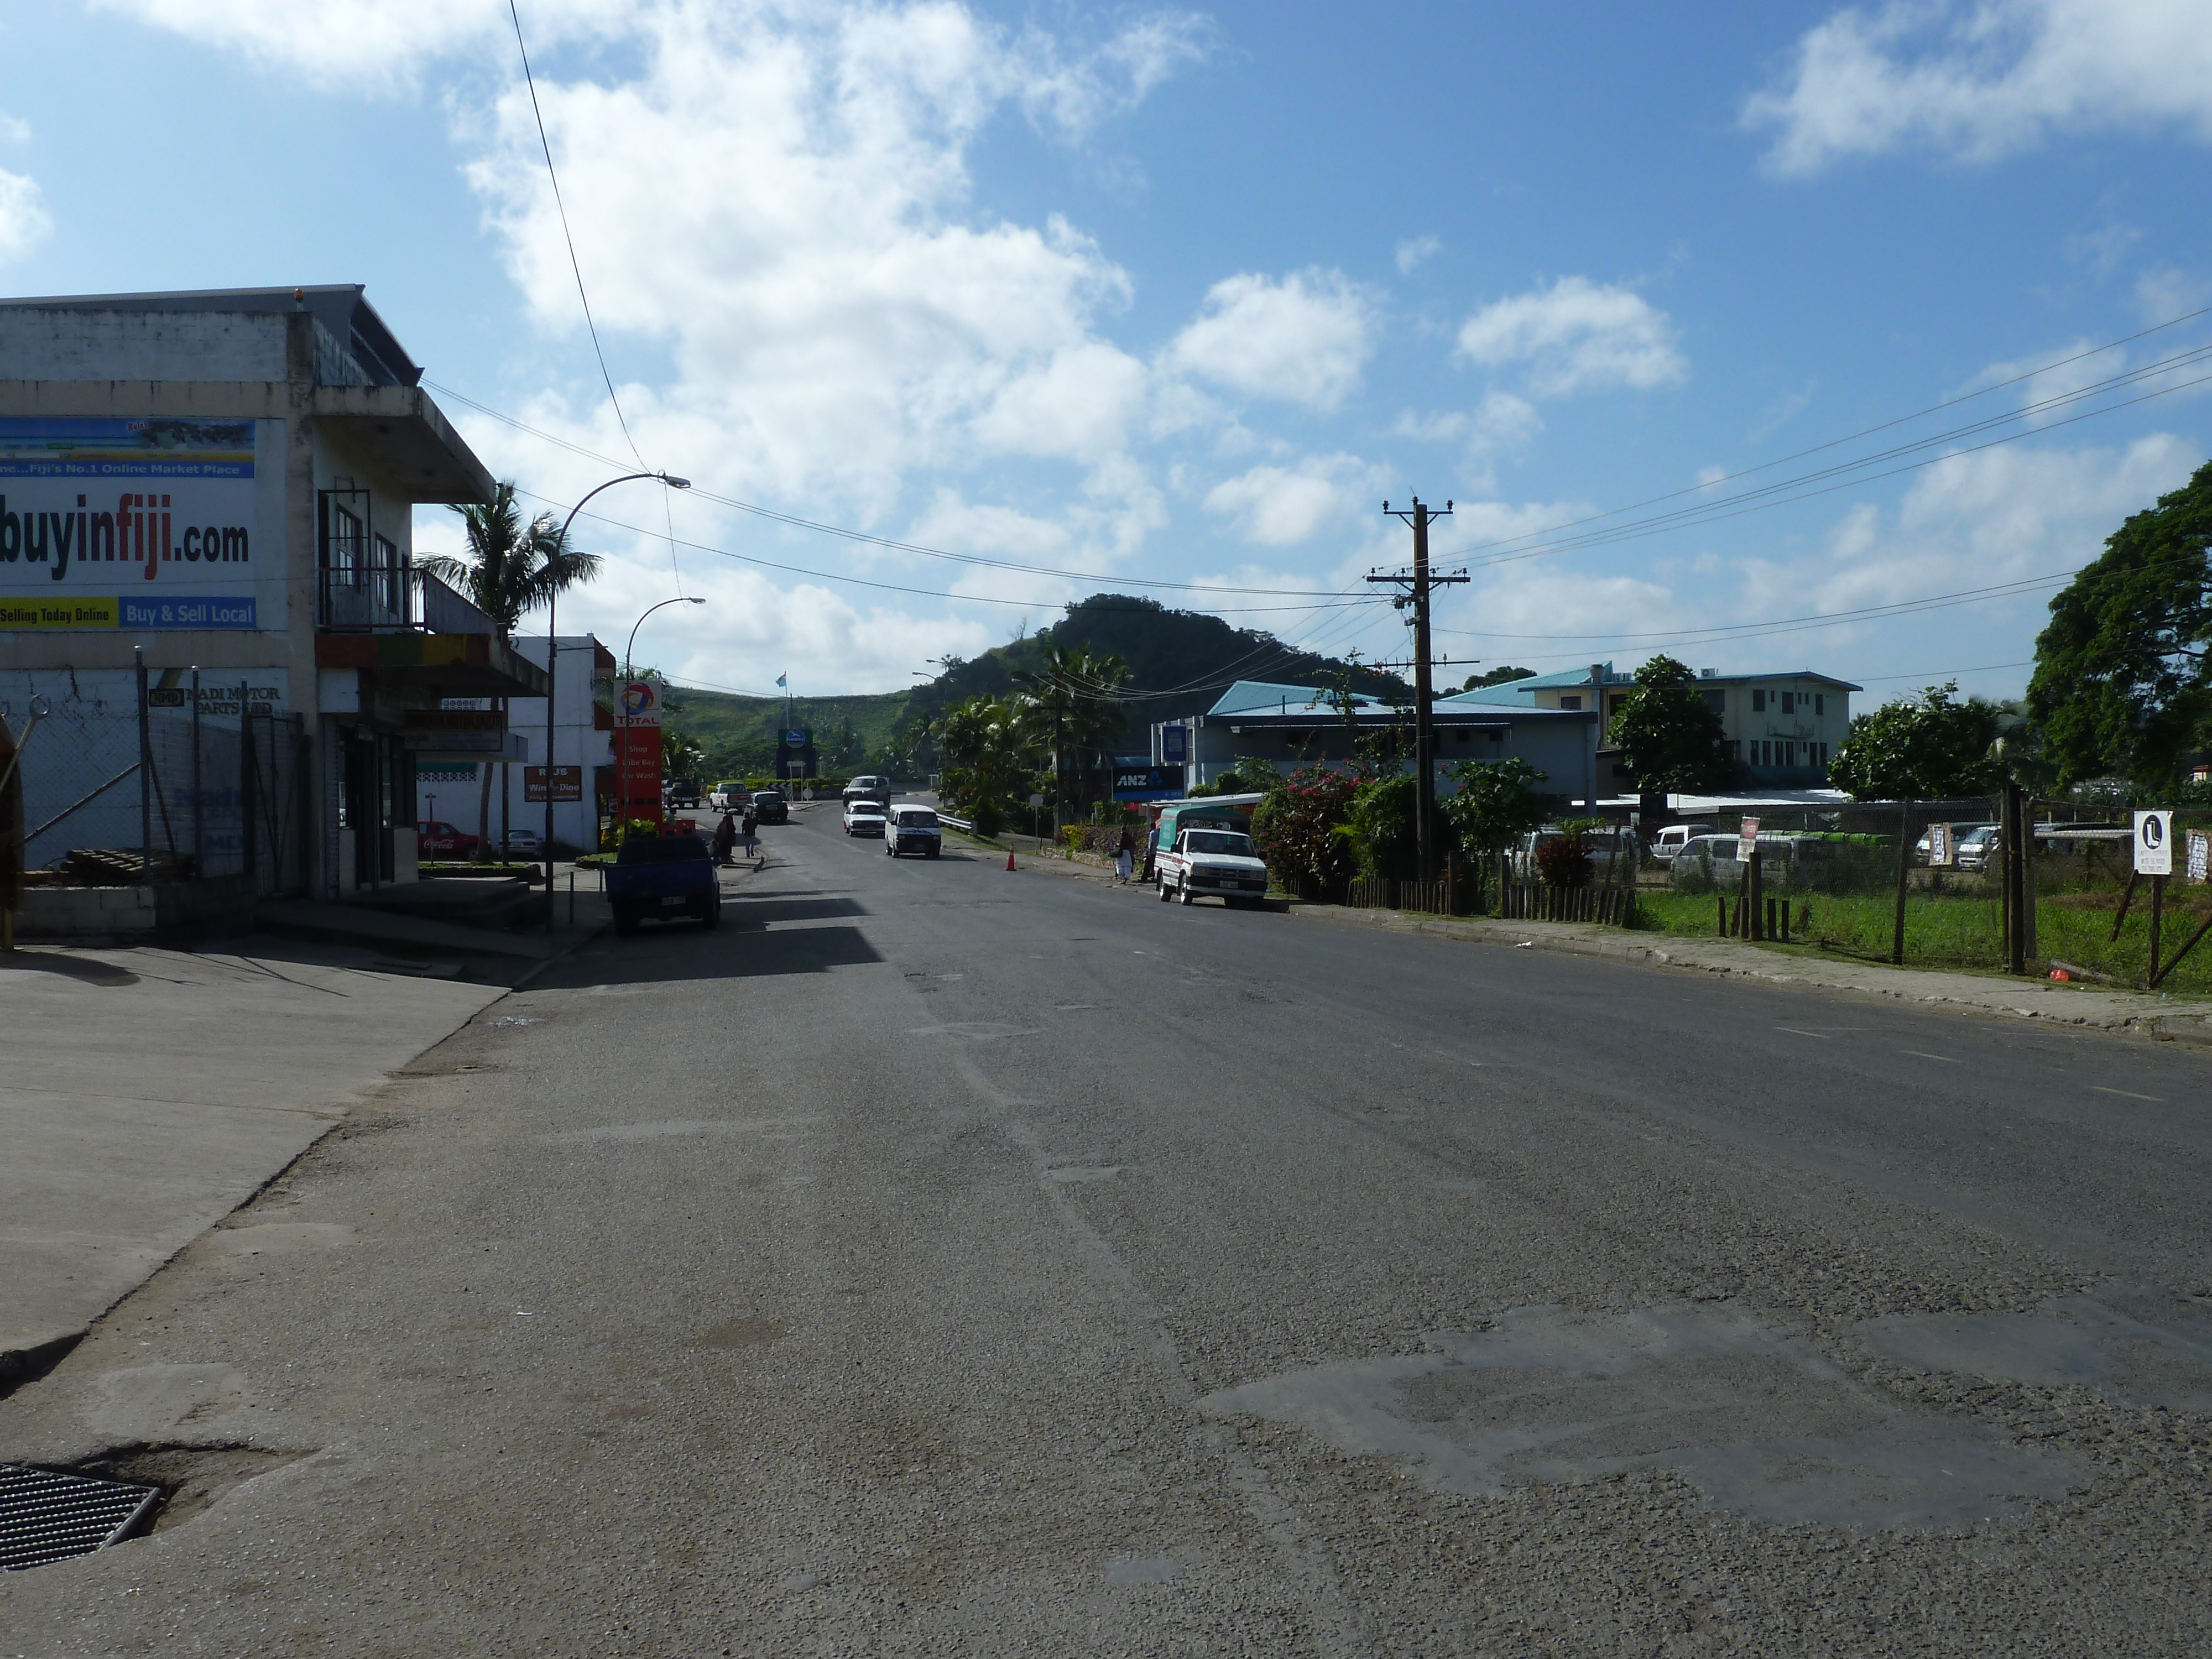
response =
{"points": [[1598, 843], [662, 876], [1978, 847], [730, 795], [870, 788], [1959, 832], [771, 806], [1222, 863], [1674, 838], [682, 793], [864, 817], [913, 829], [527, 843], [435, 838]]}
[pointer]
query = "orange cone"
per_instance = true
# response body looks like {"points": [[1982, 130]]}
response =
{"points": [[1010, 858]]}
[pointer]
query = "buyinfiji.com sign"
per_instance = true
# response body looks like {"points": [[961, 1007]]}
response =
{"points": [[136, 524]]}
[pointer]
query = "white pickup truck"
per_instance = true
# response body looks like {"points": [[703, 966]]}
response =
{"points": [[1219, 862]]}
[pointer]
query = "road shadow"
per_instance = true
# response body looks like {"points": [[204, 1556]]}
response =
{"points": [[758, 913], [669, 952], [89, 970]]}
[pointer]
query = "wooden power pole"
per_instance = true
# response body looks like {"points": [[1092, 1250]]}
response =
{"points": [[1415, 594]]}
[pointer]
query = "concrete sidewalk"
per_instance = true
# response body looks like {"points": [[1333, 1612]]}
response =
{"points": [[146, 1093]]}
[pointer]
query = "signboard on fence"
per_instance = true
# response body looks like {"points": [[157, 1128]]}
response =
{"points": [[1748, 835], [568, 783], [2199, 867], [1942, 848], [2153, 843], [127, 524]]}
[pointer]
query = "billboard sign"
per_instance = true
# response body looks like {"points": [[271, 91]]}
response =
{"points": [[568, 783], [118, 524], [798, 736], [1941, 848], [1147, 782], [641, 704]]}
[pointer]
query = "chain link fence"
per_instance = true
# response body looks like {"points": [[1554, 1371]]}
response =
{"points": [[1835, 881]]}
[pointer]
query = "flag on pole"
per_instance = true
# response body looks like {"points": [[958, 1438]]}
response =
{"points": [[780, 681]]}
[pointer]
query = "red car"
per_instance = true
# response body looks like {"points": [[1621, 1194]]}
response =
{"points": [[435, 838]]}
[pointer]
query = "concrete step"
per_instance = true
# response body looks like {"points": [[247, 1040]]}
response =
{"points": [[407, 934]]}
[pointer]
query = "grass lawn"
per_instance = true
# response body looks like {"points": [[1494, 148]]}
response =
{"points": [[1968, 932]]}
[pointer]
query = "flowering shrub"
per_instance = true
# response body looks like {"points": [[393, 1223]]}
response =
{"points": [[1295, 830]]}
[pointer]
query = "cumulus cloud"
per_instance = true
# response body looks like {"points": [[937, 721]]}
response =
{"points": [[1501, 421], [1280, 506], [1413, 250], [1300, 340], [1978, 79], [1576, 336], [24, 222], [780, 200]]}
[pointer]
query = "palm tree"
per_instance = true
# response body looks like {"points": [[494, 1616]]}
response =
{"points": [[1074, 690], [511, 569]]}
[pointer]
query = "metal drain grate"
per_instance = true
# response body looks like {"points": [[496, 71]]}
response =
{"points": [[44, 1516]]}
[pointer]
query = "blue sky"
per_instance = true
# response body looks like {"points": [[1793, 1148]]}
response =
{"points": [[1147, 296]]}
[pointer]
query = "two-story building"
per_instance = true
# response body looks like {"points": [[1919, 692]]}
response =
{"points": [[1782, 726], [217, 488]]}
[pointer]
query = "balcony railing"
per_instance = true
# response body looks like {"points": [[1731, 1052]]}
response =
{"points": [[385, 598]]}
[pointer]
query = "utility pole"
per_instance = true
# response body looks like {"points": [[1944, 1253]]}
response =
{"points": [[1415, 592]]}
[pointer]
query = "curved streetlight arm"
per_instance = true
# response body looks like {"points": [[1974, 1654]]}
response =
{"points": [[630, 660], [553, 659]]}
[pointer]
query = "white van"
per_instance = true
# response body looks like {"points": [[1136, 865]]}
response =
{"points": [[1674, 838]]}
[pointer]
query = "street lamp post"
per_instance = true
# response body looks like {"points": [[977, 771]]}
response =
{"points": [[630, 658], [553, 657]]}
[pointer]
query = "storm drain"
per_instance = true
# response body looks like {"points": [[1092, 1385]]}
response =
{"points": [[44, 1516]]}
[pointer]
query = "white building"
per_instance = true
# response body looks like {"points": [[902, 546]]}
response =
{"points": [[224, 483]]}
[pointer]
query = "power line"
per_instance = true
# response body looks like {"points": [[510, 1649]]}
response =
{"points": [[1723, 634], [936, 594], [1930, 674], [1864, 432]]}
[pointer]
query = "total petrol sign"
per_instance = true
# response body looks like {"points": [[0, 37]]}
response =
{"points": [[133, 524]]}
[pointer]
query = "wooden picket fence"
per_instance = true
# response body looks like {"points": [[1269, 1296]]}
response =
{"points": [[1382, 893], [1533, 900]]}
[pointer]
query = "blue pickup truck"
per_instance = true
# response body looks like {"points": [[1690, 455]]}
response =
{"points": [[663, 876]]}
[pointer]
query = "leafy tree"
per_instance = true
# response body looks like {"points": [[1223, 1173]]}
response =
{"points": [[1669, 733], [1921, 748], [681, 755], [986, 745], [2123, 681], [1380, 825], [1495, 800], [511, 569], [1497, 677]]}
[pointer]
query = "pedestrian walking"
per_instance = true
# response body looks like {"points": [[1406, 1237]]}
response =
{"points": [[1151, 849], [746, 832], [725, 837], [1125, 856]]}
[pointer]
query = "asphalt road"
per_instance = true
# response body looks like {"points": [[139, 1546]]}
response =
{"points": [[941, 1261]]}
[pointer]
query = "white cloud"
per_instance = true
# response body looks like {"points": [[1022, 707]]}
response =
{"points": [[1413, 250], [1978, 79], [24, 222], [2163, 292], [1575, 336], [1303, 340], [1501, 421], [1279, 506], [1779, 413], [14, 129], [780, 201]]}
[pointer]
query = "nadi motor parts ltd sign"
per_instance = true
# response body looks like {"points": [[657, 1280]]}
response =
{"points": [[132, 523]]}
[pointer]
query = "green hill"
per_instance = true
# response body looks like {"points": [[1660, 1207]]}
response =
{"points": [[1184, 660]]}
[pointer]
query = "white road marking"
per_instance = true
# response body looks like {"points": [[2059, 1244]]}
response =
{"points": [[2156, 1100]]}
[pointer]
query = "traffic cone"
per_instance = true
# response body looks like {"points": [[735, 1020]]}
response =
{"points": [[1010, 858]]}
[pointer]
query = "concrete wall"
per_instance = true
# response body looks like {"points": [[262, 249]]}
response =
{"points": [[136, 346]]}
